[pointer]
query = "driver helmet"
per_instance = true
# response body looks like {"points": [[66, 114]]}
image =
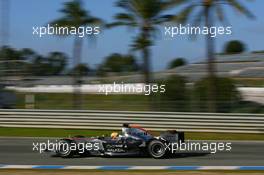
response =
{"points": [[114, 135]]}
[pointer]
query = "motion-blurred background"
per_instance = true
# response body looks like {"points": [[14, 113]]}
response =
{"points": [[201, 74]]}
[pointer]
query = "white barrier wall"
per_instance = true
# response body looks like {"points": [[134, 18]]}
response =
{"points": [[112, 120]]}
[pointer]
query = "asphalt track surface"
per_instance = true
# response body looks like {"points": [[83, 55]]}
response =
{"points": [[19, 151]]}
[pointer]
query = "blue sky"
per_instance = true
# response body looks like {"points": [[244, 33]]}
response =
{"points": [[28, 13]]}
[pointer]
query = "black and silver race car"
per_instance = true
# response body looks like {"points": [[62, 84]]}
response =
{"points": [[133, 141]]}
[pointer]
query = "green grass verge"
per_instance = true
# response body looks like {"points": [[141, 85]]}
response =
{"points": [[223, 136], [125, 103], [89, 102], [32, 132]]}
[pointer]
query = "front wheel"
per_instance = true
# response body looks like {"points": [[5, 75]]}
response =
{"points": [[64, 149], [157, 149]]}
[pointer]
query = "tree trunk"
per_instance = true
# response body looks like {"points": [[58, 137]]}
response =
{"points": [[210, 63], [146, 55], [146, 64], [77, 50]]}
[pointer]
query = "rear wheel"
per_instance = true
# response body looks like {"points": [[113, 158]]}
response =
{"points": [[157, 149]]}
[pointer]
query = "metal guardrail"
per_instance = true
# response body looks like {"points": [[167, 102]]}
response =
{"points": [[156, 121]]}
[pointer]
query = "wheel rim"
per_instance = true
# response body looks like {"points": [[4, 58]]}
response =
{"points": [[62, 149], [157, 149]]}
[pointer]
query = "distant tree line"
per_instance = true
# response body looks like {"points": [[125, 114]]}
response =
{"points": [[118, 63], [27, 62]]}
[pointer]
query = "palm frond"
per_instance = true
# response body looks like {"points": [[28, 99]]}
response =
{"points": [[63, 22], [75, 16], [174, 3], [240, 8], [140, 42], [125, 17], [94, 21], [163, 19], [183, 16], [120, 23]]}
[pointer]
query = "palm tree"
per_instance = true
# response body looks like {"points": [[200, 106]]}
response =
{"points": [[140, 43], [207, 12], [145, 16], [75, 16]]}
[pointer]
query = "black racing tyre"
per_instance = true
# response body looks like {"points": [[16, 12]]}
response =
{"points": [[64, 150], [157, 149]]}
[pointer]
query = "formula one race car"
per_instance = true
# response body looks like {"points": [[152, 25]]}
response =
{"points": [[133, 141]]}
